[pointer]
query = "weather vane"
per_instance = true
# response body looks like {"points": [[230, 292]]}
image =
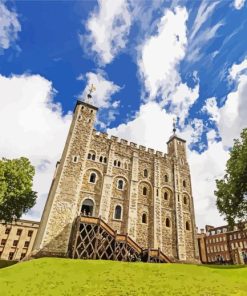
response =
{"points": [[174, 125], [91, 90]]}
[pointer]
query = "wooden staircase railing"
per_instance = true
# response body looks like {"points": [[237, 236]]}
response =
{"points": [[93, 238]]}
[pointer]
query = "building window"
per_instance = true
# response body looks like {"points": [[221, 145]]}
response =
{"points": [[89, 156], [165, 196], [120, 184], [15, 243], [187, 225], [22, 256], [11, 256], [75, 159], [144, 218], [184, 183], [26, 244], [185, 200], [92, 178], [145, 173], [168, 224], [101, 159], [115, 163], [105, 160], [118, 212], [30, 233], [157, 192], [144, 191], [7, 230], [119, 164], [3, 242], [166, 178], [93, 157], [19, 231]]}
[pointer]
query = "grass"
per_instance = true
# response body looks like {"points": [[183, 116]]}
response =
{"points": [[6, 263], [65, 277]]}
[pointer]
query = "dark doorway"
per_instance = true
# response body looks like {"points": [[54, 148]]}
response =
{"points": [[87, 207]]}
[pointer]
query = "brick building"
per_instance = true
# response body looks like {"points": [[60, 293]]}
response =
{"points": [[17, 238], [135, 190], [220, 244]]}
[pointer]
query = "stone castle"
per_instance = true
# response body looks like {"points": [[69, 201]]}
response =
{"points": [[135, 190]]}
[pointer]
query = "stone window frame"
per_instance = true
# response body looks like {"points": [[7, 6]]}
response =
{"points": [[166, 177], [144, 191], [166, 196], [95, 180], [187, 225], [168, 222], [121, 213], [75, 158], [184, 184], [144, 214], [123, 185], [92, 155], [145, 173]]}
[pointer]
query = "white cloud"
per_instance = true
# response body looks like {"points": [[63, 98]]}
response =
{"points": [[161, 53], [32, 125], [204, 12], [9, 27], [151, 127], [108, 28], [211, 109], [205, 168], [239, 4], [182, 99], [237, 69], [104, 89]]}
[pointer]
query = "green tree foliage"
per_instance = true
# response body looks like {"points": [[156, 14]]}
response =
{"points": [[16, 181], [232, 189]]}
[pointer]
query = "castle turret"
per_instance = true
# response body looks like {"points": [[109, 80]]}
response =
{"points": [[61, 206], [184, 207]]}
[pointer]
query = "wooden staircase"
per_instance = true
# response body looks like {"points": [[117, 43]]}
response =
{"points": [[92, 238]]}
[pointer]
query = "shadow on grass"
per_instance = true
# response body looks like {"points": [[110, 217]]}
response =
{"points": [[215, 266], [6, 263]]}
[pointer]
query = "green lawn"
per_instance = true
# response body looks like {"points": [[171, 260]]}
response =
{"points": [[62, 277]]}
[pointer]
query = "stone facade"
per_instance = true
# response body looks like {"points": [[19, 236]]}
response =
{"points": [[17, 238], [136, 190]]}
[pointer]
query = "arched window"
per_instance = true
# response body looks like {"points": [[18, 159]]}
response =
{"points": [[93, 157], [184, 183], [166, 178], [165, 196], [92, 178], [120, 184], [89, 156], [105, 160], [119, 164], [145, 173], [187, 225], [118, 212], [115, 163], [144, 218], [87, 208], [144, 190], [168, 224], [185, 199], [101, 159]]}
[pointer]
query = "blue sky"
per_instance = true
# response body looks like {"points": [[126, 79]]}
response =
{"points": [[150, 62]]}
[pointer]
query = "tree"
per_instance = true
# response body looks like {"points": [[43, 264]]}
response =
{"points": [[231, 191], [16, 194]]}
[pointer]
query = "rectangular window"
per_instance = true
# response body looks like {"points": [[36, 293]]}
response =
{"points": [[15, 243], [30, 233], [3, 242], [11, 255], [19, 231], [7, 230], [22, 256], [26, 245], [230, 237]]}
